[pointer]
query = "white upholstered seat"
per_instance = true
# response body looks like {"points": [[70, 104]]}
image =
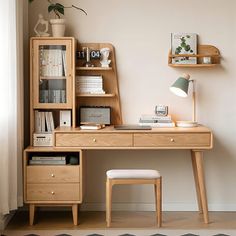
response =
{"points": [[133, 174]]}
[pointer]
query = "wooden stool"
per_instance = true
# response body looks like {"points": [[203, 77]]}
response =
{"points": [[133, 176]]}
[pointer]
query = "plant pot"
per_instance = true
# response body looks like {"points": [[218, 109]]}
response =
{"points": [[58, 27]]}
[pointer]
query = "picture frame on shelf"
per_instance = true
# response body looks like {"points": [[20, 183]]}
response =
{"points": [[184, 44]]}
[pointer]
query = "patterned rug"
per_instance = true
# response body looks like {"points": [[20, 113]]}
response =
{"points": [[114, 232]]}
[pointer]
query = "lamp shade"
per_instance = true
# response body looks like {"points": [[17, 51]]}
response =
{"points": [[180, 86]]}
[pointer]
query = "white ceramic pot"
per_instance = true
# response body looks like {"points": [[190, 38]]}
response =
{"points": [[58, 27]]}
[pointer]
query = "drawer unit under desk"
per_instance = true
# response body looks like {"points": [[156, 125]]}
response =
{"points": [[53, 174], [194, 140], [93, 140]]}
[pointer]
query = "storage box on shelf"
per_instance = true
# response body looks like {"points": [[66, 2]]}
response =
{"points": [[204, 51]]}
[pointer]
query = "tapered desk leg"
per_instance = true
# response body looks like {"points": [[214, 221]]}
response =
{"points": [[75, 213], [197, 157], [196, 182], [31, 213]]}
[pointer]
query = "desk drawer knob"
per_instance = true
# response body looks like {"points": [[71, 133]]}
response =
{"points": [[52, 175], [172, 140], [94, 140], [53, 193]]}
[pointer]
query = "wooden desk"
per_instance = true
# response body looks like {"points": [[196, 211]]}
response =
{"points": [[195, 139]]}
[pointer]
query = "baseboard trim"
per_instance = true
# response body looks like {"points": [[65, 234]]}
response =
{"points": [[4, 220]]}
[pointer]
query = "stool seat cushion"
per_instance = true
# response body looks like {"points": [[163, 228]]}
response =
{"points": [[132, 174]]}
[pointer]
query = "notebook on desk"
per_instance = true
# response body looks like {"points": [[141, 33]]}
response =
{"points": [[132, 127]]}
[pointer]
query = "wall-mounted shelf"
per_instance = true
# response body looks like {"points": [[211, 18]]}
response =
{"points": [[92, 68], [203, 51]]}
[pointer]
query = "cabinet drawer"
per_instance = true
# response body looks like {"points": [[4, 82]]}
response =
{"points": [[172, 140], [52, 174], [51, 192], [93, 140]]}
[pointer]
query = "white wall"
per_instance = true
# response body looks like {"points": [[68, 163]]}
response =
{"points": [[140, 31]]}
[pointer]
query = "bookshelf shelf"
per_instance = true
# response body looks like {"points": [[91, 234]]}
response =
{"points": [[203, 51], [96, 95], [52, 77], [81, 68]]}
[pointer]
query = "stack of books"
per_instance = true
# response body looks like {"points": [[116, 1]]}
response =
{"points": [[48, 160], [43, 121], [156, 121], [89, 84]]}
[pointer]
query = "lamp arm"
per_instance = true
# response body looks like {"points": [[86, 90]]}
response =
{"points": [[193, 100]]}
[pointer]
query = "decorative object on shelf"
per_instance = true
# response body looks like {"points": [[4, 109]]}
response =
{"points": [[105, 55], [73, 160], [180, 88], [41, 27], [184, 43], [88, 62], [58, 24], [161, 110], [206, 60], [95, 115]]}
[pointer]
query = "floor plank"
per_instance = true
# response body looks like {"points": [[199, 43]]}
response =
{"points": [[53, 220]]}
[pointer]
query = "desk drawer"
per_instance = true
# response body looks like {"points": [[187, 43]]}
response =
{"points": [[93, 140], [53, 192], [52, 174], [173, 140]]}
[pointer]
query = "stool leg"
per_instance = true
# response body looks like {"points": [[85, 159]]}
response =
{"points": [[108, 201], [158, 197]]}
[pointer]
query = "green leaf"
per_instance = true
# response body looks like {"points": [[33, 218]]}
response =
{"points": [[59, 8], [51, 7]]}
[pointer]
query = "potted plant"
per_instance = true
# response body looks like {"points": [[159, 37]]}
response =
{"points": [[58, 24]]}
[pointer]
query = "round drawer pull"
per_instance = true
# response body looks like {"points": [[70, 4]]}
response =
{"points": [[172, 140], [94, 140], [53, 193], [52, 175]]}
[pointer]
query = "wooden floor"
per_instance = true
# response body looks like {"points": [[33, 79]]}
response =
{"points": [[96, 220]]}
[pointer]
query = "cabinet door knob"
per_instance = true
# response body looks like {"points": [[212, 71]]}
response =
{"points": [[52, 175], [94, 140], [53, 193], [172, 140]]}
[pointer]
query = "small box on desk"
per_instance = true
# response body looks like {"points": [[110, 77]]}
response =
{"points": [[42, 139], [96, 115]]}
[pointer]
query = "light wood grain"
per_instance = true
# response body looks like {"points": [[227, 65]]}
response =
{"points": [[53, 192], [172, 140], [53, 174], [93, 139]]}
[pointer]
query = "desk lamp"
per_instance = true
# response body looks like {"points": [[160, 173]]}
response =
{"points": [[180, 88]]}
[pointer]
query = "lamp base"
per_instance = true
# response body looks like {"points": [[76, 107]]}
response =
{"points": [[186, 124]]}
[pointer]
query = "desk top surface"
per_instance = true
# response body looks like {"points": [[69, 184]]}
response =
{"points": [[111, 129]]}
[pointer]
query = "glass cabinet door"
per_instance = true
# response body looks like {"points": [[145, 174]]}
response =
{"points": [[52, 80]]}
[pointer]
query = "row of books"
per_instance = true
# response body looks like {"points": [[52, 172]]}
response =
{"points": [[48, 160], [89, 84], [44, 121], [156, 121], [52, 96], [52, 61]]}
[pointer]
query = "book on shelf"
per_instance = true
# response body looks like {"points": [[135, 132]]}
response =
{"points": [[48, 158], [47, 162], [91, 126], [52, 60], [89, 84], [184, 43], [43, 121]]}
